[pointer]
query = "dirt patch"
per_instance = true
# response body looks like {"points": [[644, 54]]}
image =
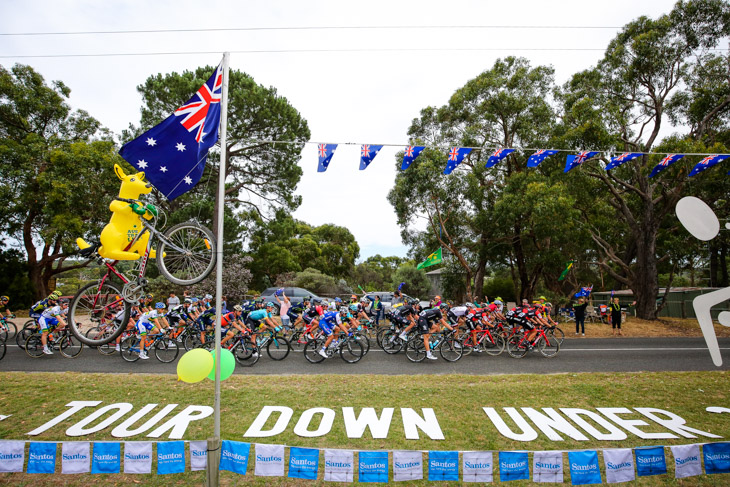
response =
{"points": [[634, 327]]}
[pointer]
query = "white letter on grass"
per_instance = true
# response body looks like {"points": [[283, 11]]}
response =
{"points": [[528, 434], [256, 429], [75, 406], [412, 422]]}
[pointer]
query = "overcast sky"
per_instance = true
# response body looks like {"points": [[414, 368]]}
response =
{"points": [[359, 97]]}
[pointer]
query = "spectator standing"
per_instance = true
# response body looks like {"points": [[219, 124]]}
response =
{"points": [[397, 298], [284, 305], [616, 312], [224, 305], [172, 301], [580, 315], [376, 309]]}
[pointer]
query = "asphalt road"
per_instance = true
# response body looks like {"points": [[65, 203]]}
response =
{"points": [[576, 355]]}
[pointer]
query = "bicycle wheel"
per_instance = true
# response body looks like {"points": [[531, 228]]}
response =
{"points": [[29, 327], [186, 253], [69, 345], [363, 339], [246, 353], [166, 350], [391, 342], [415, 349], [95, 305], [467, 344], [297, 341], [352, 351], [495, 347], [380, 334], [192, 341], [8, 331], [3, 349], [278, 348], [517, 346], [34, 346], [548, 346], [311, 350], [130, 348], [450, 349], [558, 334]]}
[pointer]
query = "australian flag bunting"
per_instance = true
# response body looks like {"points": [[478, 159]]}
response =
{"points": [[707, 163], [498, 155], [325, 152], [456, 155], [367, 154], [665, 163], [576, 160], [539, 156], [618, 160], [172, 154], [410, 154]]}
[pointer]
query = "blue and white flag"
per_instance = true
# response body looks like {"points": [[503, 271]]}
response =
{"points": [[303, 463], [407, 465], [198, 455], [650, 461], [535, 159], [75, 457], [513, 466], [170, 457], [409, 155], [584, 291], [325, 153], [547, 466], [172, 154], [269, 460], [234, 456], [619, 464], [443, 465], [372, 466], [576, 160], [106, 458], [456, 155], [717, 457], [584, 467], [497, 156], [42, 458], [12, 455], [339, 465], [665, 163], [138, 457], [367, 154], [687, 461], [618, 160], [477, 466], [707, 163]]}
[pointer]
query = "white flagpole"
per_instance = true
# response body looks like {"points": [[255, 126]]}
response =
{"points": [[214, 449]]}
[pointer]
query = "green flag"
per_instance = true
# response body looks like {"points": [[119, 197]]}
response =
{"points": [[432, 259], [568, 265]]}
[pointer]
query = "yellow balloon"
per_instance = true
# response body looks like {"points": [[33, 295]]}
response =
{"points": [[194, 366]]}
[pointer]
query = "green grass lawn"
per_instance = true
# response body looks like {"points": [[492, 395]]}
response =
{"points": [[457, 400]]}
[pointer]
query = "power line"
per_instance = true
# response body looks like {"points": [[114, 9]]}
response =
{"points": [[305, 51], [310, 28]]}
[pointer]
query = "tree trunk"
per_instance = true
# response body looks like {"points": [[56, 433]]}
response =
{"points": [[645, 283], [481, 268], [723, 266], [521, 264], [40, 285], [713, 265]]}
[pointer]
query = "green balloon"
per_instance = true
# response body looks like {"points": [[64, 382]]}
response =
{"points": [[194, 365], [228, 364]]}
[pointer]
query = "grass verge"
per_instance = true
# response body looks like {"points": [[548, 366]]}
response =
{"points": [[457, 400]]}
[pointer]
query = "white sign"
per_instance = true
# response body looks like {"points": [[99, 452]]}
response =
{"points": [[198, 455], [339, 465], [687, 460], [138, 457], [76, 457], [407, 465], [477, 466], [269, 460], [547, 466], [619, 465], [12, 456]]}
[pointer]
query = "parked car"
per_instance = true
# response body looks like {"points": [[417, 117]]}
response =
{"points": [[295, 294], [386, 297]]}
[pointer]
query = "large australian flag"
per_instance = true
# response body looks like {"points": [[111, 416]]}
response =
{"points": [[173, 153]]}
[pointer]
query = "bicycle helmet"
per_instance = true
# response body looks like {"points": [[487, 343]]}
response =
{"points": [[343, 310], [353, 307], [269, 304], [63, 301], [188, 301], [150, 296], [159, 305], [338, 300], [470, 305], [208, 296], [54, 295], [316, 301], [497, 301], [237, 308], [195, 300], [444, 305], [4, 298], [413, 302]]}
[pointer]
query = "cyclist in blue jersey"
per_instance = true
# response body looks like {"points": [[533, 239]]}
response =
{"points": [[50, 319], [206, 321], [261, 319], [330, 323], [40, 306], [150, 321]]}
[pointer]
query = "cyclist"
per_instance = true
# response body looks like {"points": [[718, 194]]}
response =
{"points": [[330, 323], [149, 321], [147, 301], [312, 313], [407, 313], [49, 320], [207, 301], [40, 306], [133, 314], [261, 319], [428, 322], [296, 311], [4, 300], [176, 317], [206, 321], [233, 321]]}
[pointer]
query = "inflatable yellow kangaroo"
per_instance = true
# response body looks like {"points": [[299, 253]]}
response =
{"points": [[125, 224]]}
